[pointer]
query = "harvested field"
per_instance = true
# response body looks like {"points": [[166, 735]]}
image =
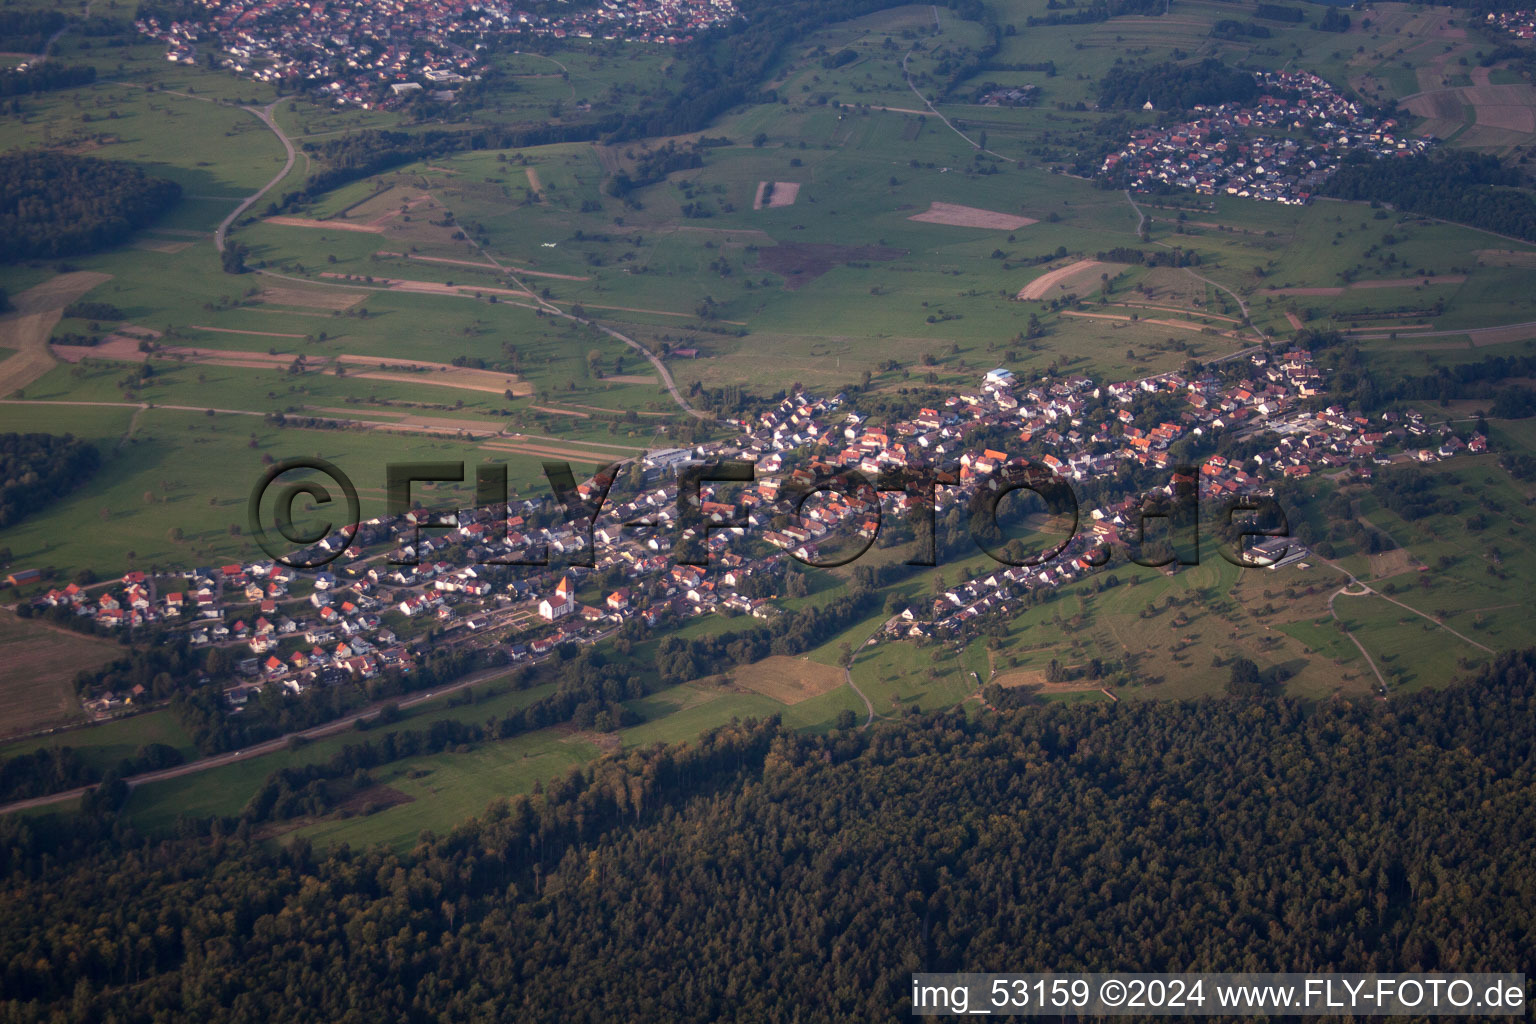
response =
{"points": [[438, 259], [464, 380], [970, 217], [1074, 277], [26, 329], [801, 263], [784, 194], [1511, 107], [40, 665], [339, 225], [788, 680], [310, 298], [1508, 107], [533, 182], [437, 374]]}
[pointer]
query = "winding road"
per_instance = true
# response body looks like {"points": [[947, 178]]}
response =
{"points": [[220, 237], [935, 111], [264, 114]]}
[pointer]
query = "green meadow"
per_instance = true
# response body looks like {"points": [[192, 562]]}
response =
{"points": [[481, 259]]}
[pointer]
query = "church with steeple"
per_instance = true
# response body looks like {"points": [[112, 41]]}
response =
{"points": [[561, 603]]}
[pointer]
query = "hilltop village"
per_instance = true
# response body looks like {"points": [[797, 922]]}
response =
{"points": [[400, 587], [368, 54], [1280, 148]]}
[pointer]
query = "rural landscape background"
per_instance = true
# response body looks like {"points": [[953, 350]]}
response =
{"points": [[1197, 247]]}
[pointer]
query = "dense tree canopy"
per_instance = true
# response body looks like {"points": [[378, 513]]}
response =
{"points": [[1453, 184], [46, 77], [26, 31], [36, 469], [757, 874], [54, 204], [1176, 86]]}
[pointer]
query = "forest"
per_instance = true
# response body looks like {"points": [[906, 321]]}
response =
{"points": [[760, 874], [36, 469], [27, 31], [46, 77], [1455, 185], [55, 204], [1176, 86], [1496, 380]]}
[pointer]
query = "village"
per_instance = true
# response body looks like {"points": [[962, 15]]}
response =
{"points": [[369, 55], [370, 613], [1520, 24], [1280, 149]]}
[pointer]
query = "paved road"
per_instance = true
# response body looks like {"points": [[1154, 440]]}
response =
{"points": [[666, 375], [265, 116], [267, 747]]}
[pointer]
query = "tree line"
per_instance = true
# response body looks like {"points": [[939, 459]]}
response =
{"points": [[1452, 184], [56, 769], [808, 876], [56, 204], [39, 469], [25, 31], [46, 77], [1173, 86]]}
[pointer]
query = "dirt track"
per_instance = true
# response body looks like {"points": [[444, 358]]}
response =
{"points": [[958, 216], [1077, 273]]}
